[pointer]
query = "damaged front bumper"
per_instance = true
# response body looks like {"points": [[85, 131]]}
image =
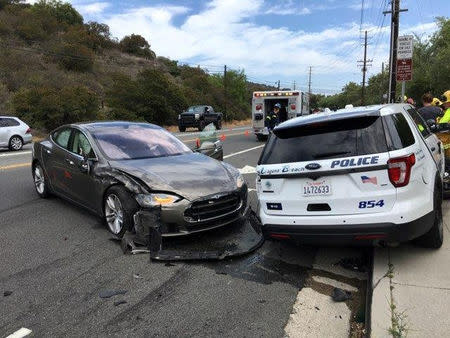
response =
{"points": [[207, 213], [242, 236]]}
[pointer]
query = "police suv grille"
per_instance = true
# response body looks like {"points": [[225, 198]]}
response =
{"points": [[213, 209]]}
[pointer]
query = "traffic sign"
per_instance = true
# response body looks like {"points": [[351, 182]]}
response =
{"points": [[405, 47], [404, 70]]}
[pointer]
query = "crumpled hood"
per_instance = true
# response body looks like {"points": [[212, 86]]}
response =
{"points": [[190, 175]]}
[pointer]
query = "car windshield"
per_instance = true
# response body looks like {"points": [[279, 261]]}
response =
{"points": [[195, 109], [135, 141], [352, 137]]}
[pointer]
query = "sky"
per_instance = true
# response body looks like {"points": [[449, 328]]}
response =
{"points": [[270, 39]]}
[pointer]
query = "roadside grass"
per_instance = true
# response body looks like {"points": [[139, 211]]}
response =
{"points": [[399, 320]]}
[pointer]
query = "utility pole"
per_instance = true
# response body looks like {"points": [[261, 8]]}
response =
{"points": [[225, 90], [309, 81], [364, 70], [395, 16], [294, 84], [278, 84], [382, 68]]}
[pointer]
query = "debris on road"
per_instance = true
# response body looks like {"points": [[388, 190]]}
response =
{"points": [[7, 293], [111, 293], [236, 239], [119, 302], [340, 295], [137, 276]]}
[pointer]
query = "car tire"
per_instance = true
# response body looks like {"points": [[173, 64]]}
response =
{"points": [[201, 125], [15, 143], [118, 210], [435, 236], [182, 129], [40, 181]]}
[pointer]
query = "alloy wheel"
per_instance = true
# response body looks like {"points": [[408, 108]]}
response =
{"points": [[16, 143], [39, 181], [114, 213]]}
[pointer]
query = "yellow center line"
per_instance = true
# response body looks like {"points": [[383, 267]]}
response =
{"points": [[14, 166]]}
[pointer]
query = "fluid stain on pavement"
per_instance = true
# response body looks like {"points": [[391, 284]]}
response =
{"points": [[262, 269]]}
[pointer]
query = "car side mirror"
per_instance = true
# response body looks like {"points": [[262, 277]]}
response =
{"points": [[84, 164], [432, 125]]}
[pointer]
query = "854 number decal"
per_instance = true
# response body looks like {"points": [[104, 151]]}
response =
{"points": [[370, 204]]}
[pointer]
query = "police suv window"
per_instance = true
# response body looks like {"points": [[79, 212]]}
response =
{"points": [[421, 124], [342, 138], [398, 132]]}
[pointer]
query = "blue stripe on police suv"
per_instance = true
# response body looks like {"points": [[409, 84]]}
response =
{"points": [[354, 162]]}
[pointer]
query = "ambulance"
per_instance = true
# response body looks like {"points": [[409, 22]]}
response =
{"points": [[293, 103]]}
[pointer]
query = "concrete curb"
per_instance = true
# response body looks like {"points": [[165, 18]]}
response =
{"points": [[380, 319]]}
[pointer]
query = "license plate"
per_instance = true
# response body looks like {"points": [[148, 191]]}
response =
{"points": [[316, 188]]}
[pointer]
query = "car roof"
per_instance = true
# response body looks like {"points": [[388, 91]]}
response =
{"points": [[341, 114]]}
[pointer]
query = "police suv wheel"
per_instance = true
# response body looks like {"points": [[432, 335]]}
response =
{"points": [[435, 237]]}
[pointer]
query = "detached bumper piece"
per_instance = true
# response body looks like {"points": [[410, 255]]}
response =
{"points": [[236, 239]]}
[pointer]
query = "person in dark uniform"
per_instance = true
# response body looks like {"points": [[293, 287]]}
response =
{"points": [[272, 119], [428, 111]]}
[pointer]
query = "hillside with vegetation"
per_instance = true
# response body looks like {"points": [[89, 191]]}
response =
{"points": [[431, 73], [55, 68]]}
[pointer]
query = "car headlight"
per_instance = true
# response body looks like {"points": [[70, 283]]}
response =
{"points": [[240, 181], [197, 116], [157, 199]]}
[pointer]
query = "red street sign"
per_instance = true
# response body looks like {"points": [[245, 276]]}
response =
{"points": [[404, 69]]}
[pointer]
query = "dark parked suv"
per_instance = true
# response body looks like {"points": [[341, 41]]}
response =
{"points": [[199, 117]]}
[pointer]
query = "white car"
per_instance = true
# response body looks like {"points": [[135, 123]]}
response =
{"points": [[362, 175], [14, 133]]}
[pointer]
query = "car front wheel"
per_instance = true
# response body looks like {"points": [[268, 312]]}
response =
{"points": [[15, 143], [40, 181], [119, 208]]}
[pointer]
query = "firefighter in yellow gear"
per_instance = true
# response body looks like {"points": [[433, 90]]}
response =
{"points": [[446, 107]]}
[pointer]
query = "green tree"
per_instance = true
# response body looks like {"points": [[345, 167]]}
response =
{"points": [[47, 108], [151, 97], [63, 12], [137, 45]]}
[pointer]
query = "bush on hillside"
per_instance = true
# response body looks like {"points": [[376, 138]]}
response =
{"points": [[48, 108], [136, 44]]}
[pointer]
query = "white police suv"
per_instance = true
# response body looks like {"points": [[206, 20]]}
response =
{"points": [[362, 175]]}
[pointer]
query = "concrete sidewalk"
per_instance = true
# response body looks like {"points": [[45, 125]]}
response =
{"points": [[411, 289]]}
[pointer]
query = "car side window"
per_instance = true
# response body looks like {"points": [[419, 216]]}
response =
{"points": [[81, 145], [398, 133], [420, 123], [61, 137], [7, 122]]}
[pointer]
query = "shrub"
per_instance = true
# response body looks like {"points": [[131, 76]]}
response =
{"points": [[137, 45], [75, 57]]}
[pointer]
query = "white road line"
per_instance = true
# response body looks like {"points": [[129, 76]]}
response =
{"points": [[23, 332], [16, 154], [243, 151], [218, 131]]}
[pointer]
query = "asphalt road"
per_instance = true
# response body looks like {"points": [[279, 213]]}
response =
{"points": [[56, 258]]}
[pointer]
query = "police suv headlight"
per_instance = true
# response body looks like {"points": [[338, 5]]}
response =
{"points": [[197, 116], [240, 181], [156, 199]]}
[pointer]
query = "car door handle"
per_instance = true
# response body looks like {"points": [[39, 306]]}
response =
{"points": [[70, 161]]}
